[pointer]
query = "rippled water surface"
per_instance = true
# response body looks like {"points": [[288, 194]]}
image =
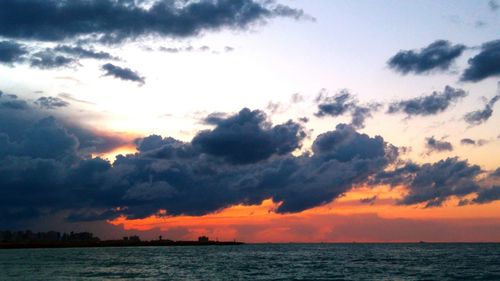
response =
{"points": [[258, 262]]}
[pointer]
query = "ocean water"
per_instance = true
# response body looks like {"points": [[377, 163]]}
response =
{"points": [[258, 262]]}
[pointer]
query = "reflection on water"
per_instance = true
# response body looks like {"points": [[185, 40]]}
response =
{"points": [[258, 262]]}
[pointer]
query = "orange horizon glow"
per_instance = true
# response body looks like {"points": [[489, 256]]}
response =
{"points": [[129, 148], [346, 219], [332, 222]]}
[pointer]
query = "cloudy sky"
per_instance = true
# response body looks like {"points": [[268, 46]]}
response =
{"points": [[252, 120]]}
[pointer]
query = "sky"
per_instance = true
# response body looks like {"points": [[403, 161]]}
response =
{"points": [[261, 121]]}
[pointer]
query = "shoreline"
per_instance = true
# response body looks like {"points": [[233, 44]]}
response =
{"points": [[117, 243]]}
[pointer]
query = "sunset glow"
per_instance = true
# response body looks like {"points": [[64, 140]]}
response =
{"points": [[260, 121], [319, 224]]}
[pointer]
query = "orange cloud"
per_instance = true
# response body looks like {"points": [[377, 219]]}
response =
{"points": [[345, 220]]}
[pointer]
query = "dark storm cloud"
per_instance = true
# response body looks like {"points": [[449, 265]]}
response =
{"points": [[247, 137], [478, 117], [122, 73], [432, 104], [151, 142], [485, 64], [488, 195], [199, 177], [438, 56], [155, 146], [11, 52], [345, 144], [17, 116], [192, 178], [180, 178], [80, 52], [48, 59], [51, 102], [114, 21], [432, 184], [434, 145], [344, 102], [49, 140], [398, 176], [53, 154]]}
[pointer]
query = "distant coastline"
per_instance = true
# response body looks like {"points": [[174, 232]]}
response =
{"points": [[112, 243], [28, 239]]}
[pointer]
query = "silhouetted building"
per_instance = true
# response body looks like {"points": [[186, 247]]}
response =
{"points": [[133, 238], [50, 236], [203, 239]]}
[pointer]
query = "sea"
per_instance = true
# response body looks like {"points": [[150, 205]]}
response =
{"points": [[356, 261]]}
